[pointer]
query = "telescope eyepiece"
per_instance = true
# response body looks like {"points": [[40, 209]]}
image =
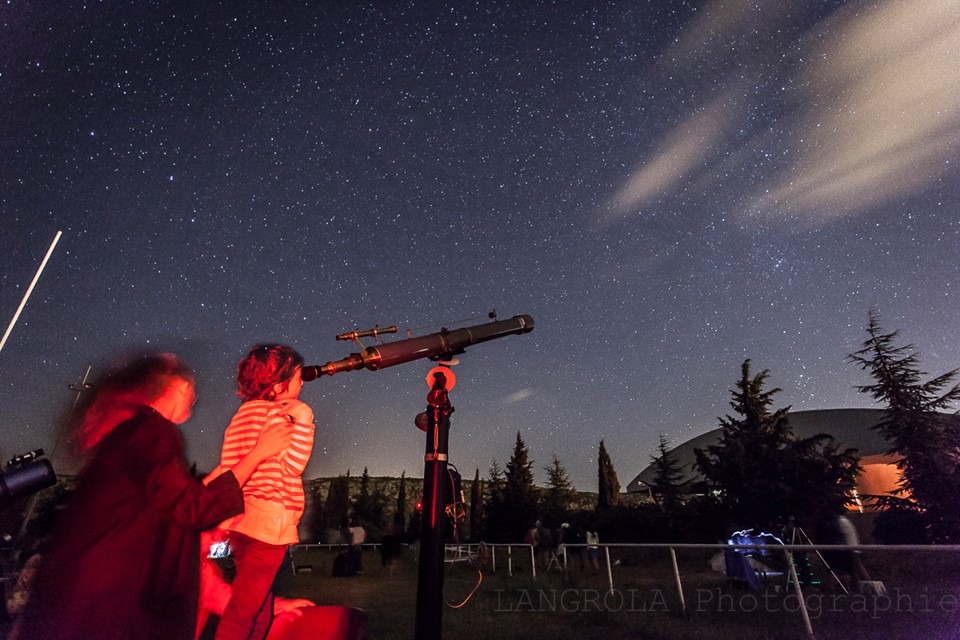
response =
{"points": [[309, 373]]}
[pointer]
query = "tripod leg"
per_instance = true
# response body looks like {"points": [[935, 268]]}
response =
{"points": [[825, 563]]}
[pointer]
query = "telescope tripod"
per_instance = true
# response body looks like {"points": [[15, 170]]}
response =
{"points": [[429, 618], [800, 536]]}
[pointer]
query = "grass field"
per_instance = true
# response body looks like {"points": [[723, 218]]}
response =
{"points": [[923, 601]]}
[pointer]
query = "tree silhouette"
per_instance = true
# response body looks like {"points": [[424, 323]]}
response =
{"points": [[608, 486], [512, 504], [476, 508], [763, 473], [337, 504], [559, 494], [668, 485], [400, 513], [926, 443], [370, 506]]}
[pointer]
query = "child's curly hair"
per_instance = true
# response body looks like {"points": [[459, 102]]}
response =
{"points": [[265, 366]]}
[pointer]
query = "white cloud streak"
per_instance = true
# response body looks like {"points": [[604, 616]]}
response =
{"points": [[517, 396], [875, 115], [886, 118]]}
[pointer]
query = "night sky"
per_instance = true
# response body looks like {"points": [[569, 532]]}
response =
{"points": [[668, 188]]}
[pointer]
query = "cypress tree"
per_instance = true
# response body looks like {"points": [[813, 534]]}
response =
{"points": [[608, 486], [476, 508], [400, 514], [337, 504]]}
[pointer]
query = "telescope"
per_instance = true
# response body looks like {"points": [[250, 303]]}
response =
{"points": [[442, 345], [25, 474]]}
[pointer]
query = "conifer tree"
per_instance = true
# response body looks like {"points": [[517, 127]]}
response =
{"points": [[496, 479], [513, 501], [608, 486], [337, 504], [518, 475], [926, 442], [559, 494], [763, 473], [361, 503], [370, 506], [494, 505], [400, 513], [476, 508], [668, 485]]}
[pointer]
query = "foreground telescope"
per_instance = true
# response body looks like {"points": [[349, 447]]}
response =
{"points": [[436, 346], [438, 499]]}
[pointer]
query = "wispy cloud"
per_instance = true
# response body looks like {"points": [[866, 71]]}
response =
{"points": [[517, 396], [872, 113], [884, 119], [679, 160]]}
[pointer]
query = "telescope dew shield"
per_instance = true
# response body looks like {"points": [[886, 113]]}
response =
{"points": [[435, 345], [26, 478], [443, 343]]}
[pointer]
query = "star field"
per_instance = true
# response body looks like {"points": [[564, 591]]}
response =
{"points": [[667, 188]]}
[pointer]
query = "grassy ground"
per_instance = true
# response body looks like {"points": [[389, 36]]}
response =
{"points": [[923, 601]]}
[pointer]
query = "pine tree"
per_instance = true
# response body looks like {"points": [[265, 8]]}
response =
{"points": [[513, 501], [668, 485], [926, 443], [763, 473], [559, 494], [608, 486], [495, 476], [518, 475], [519, 489], [494, 504]]}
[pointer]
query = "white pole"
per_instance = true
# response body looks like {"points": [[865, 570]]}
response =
{"points": [[676, 576], [23, 302], [803, 603], [606, 552]]}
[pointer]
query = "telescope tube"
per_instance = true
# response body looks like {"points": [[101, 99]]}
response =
{"points": [[435, 345]]}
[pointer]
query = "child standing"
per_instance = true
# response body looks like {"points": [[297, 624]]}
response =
{"points": [[269, 382]]}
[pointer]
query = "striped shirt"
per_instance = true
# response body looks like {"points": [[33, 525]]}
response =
{"points": [[277, 479]]}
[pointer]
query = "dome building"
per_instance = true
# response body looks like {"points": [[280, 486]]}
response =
{"points": [[849, 427]]}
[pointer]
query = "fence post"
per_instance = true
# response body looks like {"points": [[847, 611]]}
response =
{"points": [[293, 562], [533, 562], [803, 603], [676, 575], [606, 552], [510, 560]]}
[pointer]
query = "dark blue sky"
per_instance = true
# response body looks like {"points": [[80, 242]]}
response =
{"points": [[667, 188]]}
